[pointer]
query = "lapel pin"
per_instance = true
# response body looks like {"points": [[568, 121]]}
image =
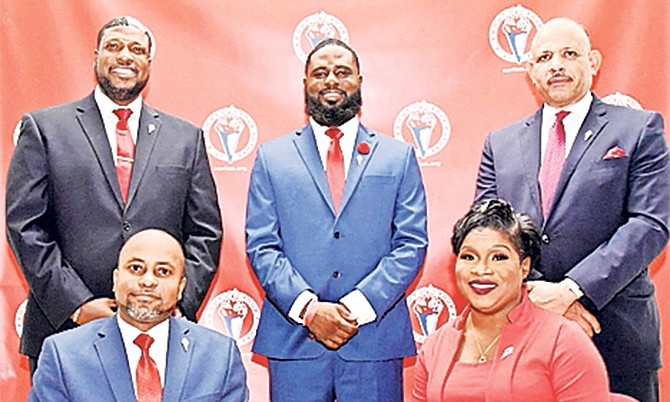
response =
{"points": [[588, 135], [152, 128], [184, 344], [508, 351], [363, 149]]}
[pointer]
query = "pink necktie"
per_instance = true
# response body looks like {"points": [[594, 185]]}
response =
{"points": [[552, 165], [148, 380], [335, 166], [125, 151]]}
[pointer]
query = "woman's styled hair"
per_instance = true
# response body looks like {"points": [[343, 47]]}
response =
{"points": [[501, 217]]}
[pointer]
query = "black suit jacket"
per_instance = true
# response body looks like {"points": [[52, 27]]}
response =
{"points": [[66, 220]]}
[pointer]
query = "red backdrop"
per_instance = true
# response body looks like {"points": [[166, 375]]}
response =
{"points": [[236, 66]]}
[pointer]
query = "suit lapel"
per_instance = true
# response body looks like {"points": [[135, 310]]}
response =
{"points": [[358, 163], [114, 361], [529, 149], [147, 134], [593, 124], [306, 145], [180, 352], [90, 120]]}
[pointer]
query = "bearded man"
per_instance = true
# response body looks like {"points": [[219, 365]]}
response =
{"points": [[87, 175], [336, 232]]}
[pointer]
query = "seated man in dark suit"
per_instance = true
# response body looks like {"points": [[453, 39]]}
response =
{"points": [[142, 353]]}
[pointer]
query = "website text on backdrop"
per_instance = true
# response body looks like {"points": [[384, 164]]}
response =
{"points": [[335, 256], [87, 175], [603, 204], [105, 360]]}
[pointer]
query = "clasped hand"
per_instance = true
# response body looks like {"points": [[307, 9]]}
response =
{"points": [[332, 325]]}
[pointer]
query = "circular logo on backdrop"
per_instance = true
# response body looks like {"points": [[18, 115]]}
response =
{"points": [[511, 31], [314, 29], [620, 99], [233, 313], [430, 308], [19, 318], [425, 126], [230, 134]]}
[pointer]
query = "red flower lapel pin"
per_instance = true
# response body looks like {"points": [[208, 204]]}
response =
{"points": [[363, 149], [614, 153]]}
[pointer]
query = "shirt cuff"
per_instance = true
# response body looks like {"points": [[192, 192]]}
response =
{"points": [[299, 304], [574, 288], [360, 307]]}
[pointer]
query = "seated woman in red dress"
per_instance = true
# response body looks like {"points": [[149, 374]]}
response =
{"points": [[502, 347]]}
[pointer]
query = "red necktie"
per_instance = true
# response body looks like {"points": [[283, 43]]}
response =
{"points": [[552, 165], [125, 150], [335, 166], [147, 378]]}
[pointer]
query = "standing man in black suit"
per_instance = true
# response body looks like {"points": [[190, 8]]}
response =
{"points": [[87, 175]]}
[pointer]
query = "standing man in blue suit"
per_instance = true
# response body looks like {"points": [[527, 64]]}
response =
{"points": [[74, 197], [609, 213], [104, 360], [335, 261]]}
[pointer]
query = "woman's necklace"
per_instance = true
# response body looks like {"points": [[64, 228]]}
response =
{"points": [[482, 352]]}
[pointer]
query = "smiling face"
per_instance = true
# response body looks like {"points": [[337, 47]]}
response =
{"points": [[490, 272], [332, 86], [562, 63], [122, 63], [149, 279]]}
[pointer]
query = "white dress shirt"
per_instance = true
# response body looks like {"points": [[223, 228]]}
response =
{"points": [[157, 351], [109, 119]]}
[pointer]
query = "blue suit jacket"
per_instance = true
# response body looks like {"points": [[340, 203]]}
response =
{"points": [[296, 241], [609, 219], [66, 220], [89, 363]]}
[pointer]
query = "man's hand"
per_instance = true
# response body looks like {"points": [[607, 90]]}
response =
{"points": [[332, 324], [556, 297], [96, 308], [589, 323]]}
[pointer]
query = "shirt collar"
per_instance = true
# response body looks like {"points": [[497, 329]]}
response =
{"points": [[159, 331], [349, 129], [578, 110]]}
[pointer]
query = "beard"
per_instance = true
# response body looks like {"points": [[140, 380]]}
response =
{"points": [[119, 94], [333, 115], [142, 313]]}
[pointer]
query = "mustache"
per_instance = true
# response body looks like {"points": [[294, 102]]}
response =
{"points": [[333, 115]]}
